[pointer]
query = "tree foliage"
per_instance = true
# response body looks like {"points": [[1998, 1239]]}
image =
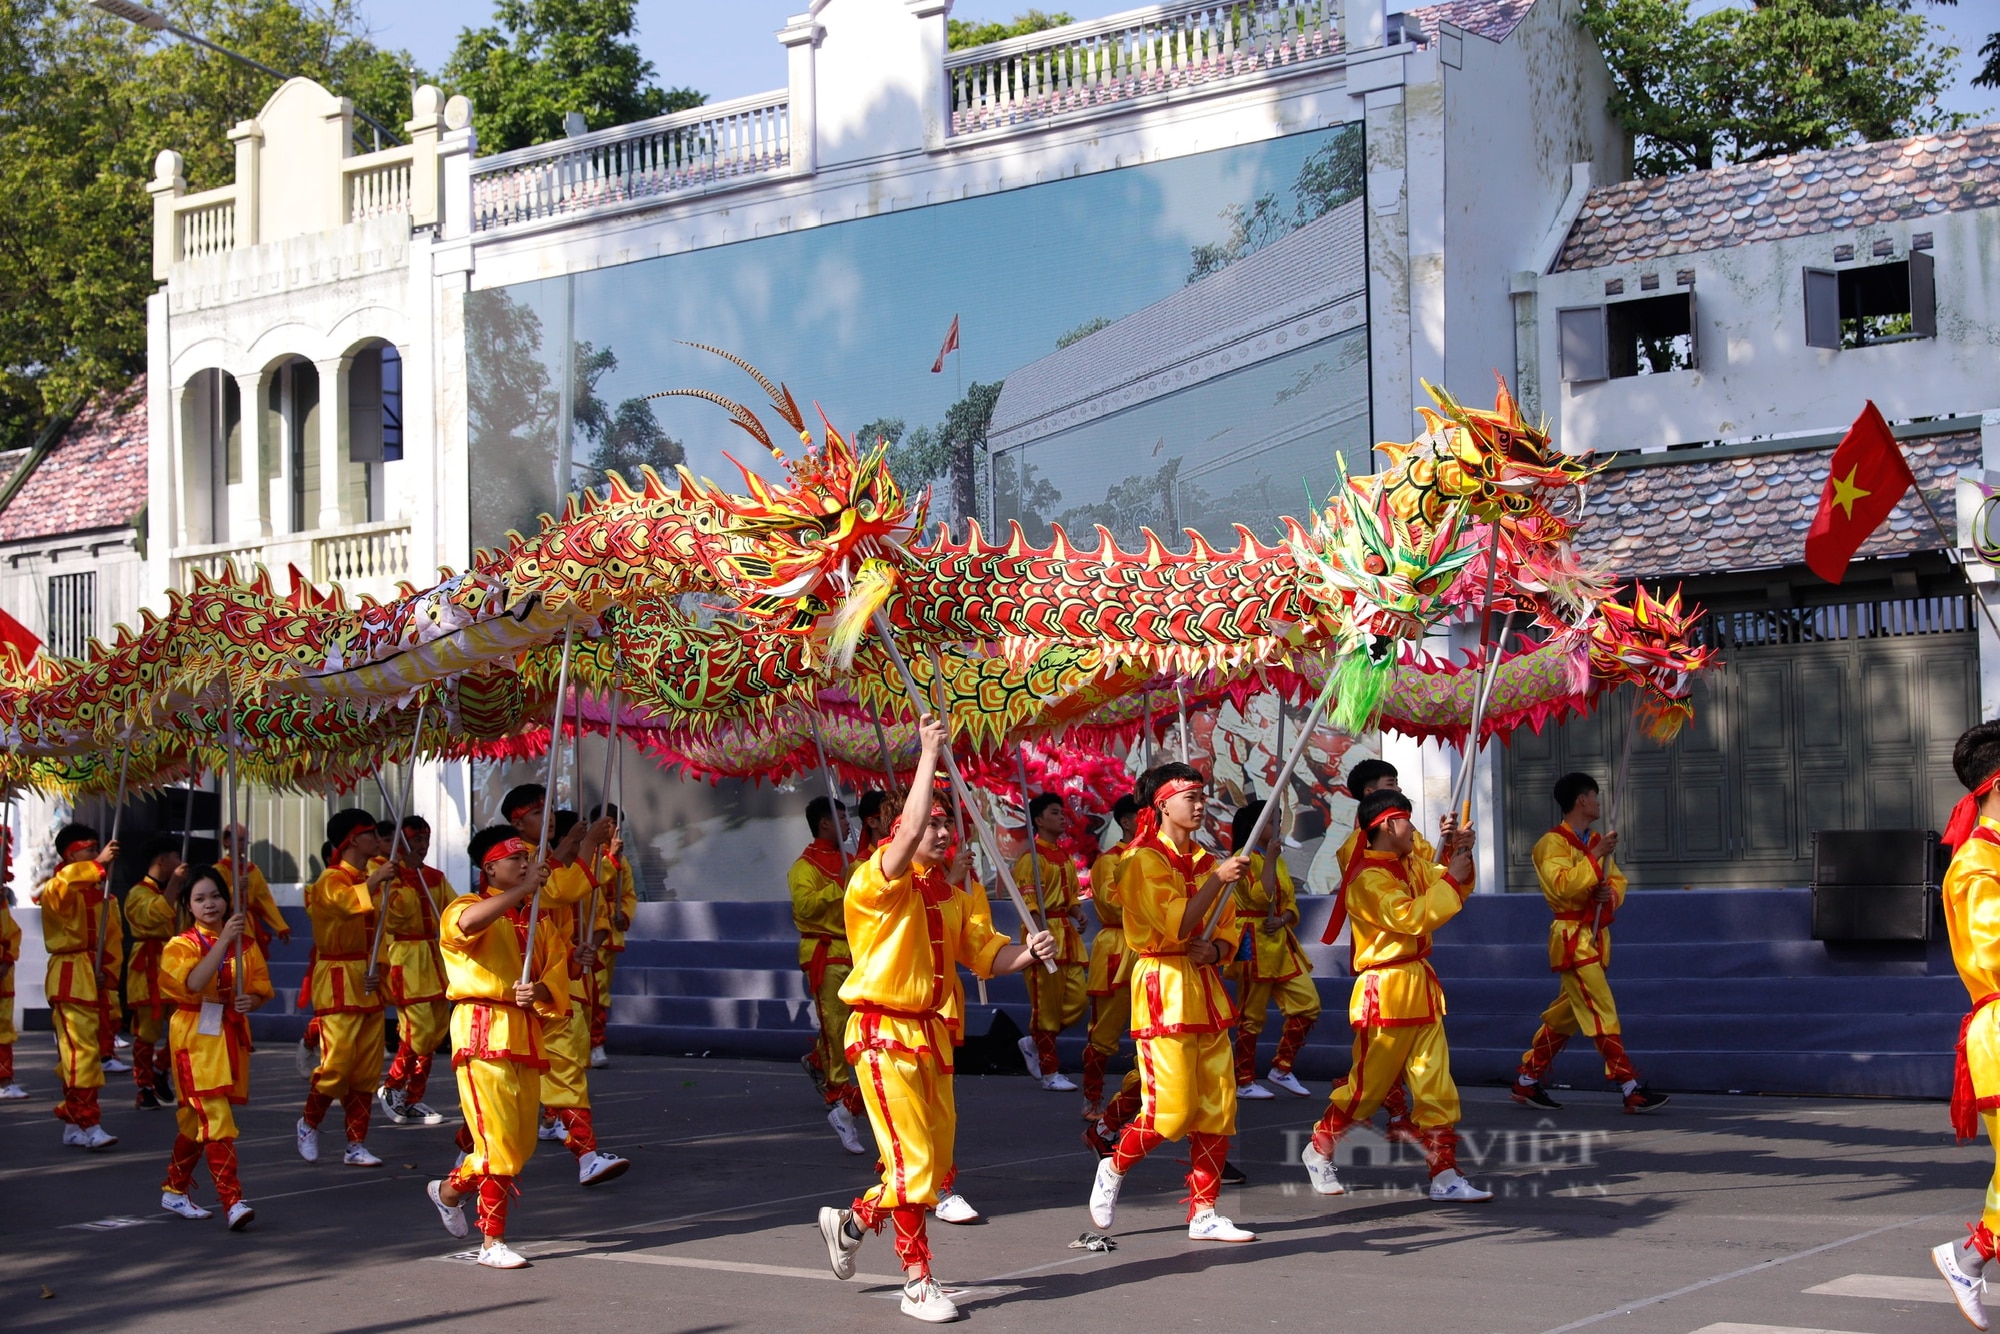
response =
{"points": [[541, 59], [1780, 76], [961, 33], [623, 438], [87, 102], [1329, 178]]}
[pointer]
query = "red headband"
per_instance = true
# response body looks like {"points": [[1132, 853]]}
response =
{"points": [[1149, 819], [1383, 817], [1965, 815], [939, 811], [506, 847], [76, 843]]}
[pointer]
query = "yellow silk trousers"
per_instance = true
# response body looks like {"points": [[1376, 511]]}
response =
{"points": [[1187, 1084]]}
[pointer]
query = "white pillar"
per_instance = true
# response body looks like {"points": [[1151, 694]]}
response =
{"points": [[801, 37], [332, 442], [1364, 24], [935, 104]]}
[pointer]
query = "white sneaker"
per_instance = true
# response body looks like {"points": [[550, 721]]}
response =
{"points": [[552, 1132], [1965, 1288], [1319, 1171], [842, 1122], [241, 1215], [1209, 1225], [1058, 1083], [72, 1136], [113, 1066], [1104, 1194], [120, 1042], [1093, 1111], [840, 1247], [451, 1215], [421, 1114], [305, 1058], [598, 1060], [176, 1203], [1289, 1082], [1031, 1056], [595, 1167], [1253, 1091], [925, 1300], [500, 1255], [308, 1141], [955, 1208], [96, 1137], [1452, 1186], [357, 1155], [11, 1092]]}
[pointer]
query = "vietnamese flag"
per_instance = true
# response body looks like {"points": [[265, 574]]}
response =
{"points": [[1867, 477], [20, 636]]}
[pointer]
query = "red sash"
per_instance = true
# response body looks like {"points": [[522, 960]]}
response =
{"points": [[1964, 1102]]}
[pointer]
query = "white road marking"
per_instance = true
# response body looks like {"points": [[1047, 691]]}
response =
{"points": [[1731, 1327], [739, 1267], [112, 1224], [1889, 1287]]}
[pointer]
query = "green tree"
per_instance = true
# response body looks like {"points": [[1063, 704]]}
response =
{"points": [[1782, 76], [89, 101], [1330, 177], [542, 59], [961, 33], [622, 439]]}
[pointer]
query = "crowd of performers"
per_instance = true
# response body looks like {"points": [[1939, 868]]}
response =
{"points": [[387, 929], [1191, 952]]}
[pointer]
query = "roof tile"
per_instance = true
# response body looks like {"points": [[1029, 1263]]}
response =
{"points": [[94, 478]]}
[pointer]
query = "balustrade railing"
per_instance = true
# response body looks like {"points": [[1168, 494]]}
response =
{"points": [[688, 150], [205, 224], [214, 560], [377, 184], [368, 552], [1131, 55]]}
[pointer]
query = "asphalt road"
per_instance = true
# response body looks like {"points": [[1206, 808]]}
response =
{"points": [[1724, 1215]]}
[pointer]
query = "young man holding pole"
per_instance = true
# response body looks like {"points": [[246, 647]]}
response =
{"points": [[1181, 1016], [1108, 977], [497, 1025], [1395, 900], [417, 897], [615, 913], [346, 995], [818, 882], [151, 916], [1275, 969], [1585, 889], [1056, 1000], [909, 924], [81, 929]]}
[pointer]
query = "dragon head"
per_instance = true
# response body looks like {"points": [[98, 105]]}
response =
{"points": [[830, 531], [1651, 643], [1495, 462]]}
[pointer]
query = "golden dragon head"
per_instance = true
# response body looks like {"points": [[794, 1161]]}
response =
{"points": [[1652, 644], [1495, 462]]}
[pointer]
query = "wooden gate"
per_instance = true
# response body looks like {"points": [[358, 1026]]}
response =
{"points": [[1836, 717]]}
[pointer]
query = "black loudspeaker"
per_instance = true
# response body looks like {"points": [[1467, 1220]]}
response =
{"points": [[1876, 884]]}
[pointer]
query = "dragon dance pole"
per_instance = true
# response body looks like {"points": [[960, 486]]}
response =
{"points": [[964, 789], [1146, 732], [396, 840], [1278, 796], [104, 904], [548, 794], [242, 854], [882, 745], [1298, 753], [957, 807], [832, 792], [1028, 819], [1461, 788], [1180, 695], [605, 803], [1618, 791], [1489, 676], [187, 816]]}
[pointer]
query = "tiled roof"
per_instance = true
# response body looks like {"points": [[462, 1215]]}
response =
{"points": [[1821, 191], [94, 478], [1491, 19], [1751, 513]]}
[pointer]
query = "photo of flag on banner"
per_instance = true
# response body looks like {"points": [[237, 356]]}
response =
{"points": [[950, 346]]}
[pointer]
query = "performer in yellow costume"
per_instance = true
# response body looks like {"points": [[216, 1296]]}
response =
{"points": [[266, 919], [10, 954], [1393, 903], [910, 923], [209, 1037], [151, 916], [346, 998], [619, 907], [86, 945], [575, 868], [497, 1032], [1972, 919], [1274, 967], [1046, 878], [1181, 1015], [416, 900], [818, 882], [1108, 978], [1585, 889]]}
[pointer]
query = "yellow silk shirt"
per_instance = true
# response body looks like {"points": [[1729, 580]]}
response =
{"points": [[414, 975], [1272, 956], [1110, 958], [343, 923], [1060, 896], [218, 1063], [264, 911], [1170, 993], [817, 905], [151, 920], [480, 971], [1393, 907], [73, 912], [1569, 869]]}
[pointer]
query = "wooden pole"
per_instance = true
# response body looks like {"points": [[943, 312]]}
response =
{"points": [[548, 796], [963, 788]]}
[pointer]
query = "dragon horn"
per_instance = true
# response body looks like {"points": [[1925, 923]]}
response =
{"points": [[1503, 401], [741, 415], [781, 397]]}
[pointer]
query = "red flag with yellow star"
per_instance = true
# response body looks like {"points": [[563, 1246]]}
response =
{"points": [[1868, 476]]}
